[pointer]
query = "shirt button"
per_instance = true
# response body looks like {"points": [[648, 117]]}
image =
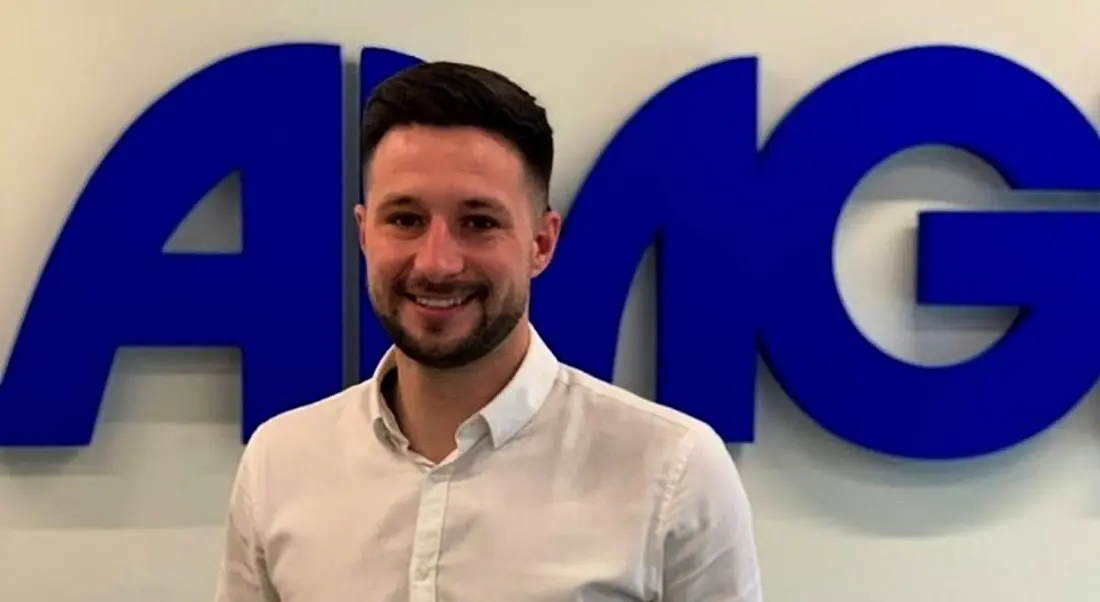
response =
{"points": [[423, 572]]}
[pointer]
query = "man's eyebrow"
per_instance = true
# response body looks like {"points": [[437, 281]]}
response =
{"points": [[396, 202], [483, 203], [473, 203]]}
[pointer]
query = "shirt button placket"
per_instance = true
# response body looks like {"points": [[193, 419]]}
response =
{"points": [[429, 535]]}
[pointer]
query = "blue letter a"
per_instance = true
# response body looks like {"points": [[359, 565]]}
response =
{"points": [[274, 115]]}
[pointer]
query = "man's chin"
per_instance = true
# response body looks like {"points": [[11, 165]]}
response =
{"points": [[445, 344], [449, 333], [437, 355], [437, 341]]}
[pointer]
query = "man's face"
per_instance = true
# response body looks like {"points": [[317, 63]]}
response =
{"points": [[451, 239]]}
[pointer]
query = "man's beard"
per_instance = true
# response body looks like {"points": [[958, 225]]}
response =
{"points": [[489, 332]]}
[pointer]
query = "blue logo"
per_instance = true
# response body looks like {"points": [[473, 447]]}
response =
{"points": [[744, 237]]}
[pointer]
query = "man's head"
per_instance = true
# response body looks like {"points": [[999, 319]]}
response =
{"points": [[456, 218]]}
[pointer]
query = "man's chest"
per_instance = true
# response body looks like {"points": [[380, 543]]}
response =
{"points": [[458, 537]]}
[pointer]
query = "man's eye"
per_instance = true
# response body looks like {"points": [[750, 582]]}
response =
{"points": [[481, 222], [405, 220]]}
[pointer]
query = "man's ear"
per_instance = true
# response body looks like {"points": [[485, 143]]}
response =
{"points": [[360, 212], [547, 232]]}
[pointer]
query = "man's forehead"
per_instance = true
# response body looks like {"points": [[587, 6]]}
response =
{"points": [[449, 165], [460, 147]]}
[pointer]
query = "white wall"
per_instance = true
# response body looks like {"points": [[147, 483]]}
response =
{"points": [[137, 515]]}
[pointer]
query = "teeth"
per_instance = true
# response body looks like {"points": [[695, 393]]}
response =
{"points": [[440, 303]]}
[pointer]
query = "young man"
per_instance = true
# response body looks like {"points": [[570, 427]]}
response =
{"points": [[473, 465]]}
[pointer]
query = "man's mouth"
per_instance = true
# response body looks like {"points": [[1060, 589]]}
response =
{"points": [[435, 302]]}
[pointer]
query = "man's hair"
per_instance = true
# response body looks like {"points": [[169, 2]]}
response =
{"points": [[447, 94]]}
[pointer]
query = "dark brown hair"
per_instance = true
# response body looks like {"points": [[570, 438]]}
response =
{"points": [[447, 94]]}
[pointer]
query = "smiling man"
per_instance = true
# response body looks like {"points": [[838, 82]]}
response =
{"points": [[473, 465]]}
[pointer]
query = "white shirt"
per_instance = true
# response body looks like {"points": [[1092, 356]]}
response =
{"points": [[563, 488]]}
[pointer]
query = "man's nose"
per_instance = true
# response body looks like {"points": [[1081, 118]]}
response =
{"points": [[440, 255]]}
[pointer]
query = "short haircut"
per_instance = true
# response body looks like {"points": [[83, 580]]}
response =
{"points": [[447, 94]]}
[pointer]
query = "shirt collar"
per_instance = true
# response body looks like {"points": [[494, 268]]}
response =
{"points": [[504, 415]]}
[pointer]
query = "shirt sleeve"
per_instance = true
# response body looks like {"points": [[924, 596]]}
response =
{"points": [[709, 546], [243, 576]]}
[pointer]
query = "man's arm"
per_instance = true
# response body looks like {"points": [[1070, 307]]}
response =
{"points": [[709, 545], [243, 574]]}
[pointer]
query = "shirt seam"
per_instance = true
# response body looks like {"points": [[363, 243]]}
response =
{"points": [[256, 515], [674, 478]]}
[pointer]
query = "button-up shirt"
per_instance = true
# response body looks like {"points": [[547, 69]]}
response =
{"points": [[562, 488]]}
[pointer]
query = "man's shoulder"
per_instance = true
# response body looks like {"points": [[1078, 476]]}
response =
{"points": [[312, 422], [622, 414]]}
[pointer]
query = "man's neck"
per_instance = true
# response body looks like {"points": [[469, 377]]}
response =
{"points": [[430, 404]]}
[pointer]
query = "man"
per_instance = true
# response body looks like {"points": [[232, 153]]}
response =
{"points": [[474, 466]]}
